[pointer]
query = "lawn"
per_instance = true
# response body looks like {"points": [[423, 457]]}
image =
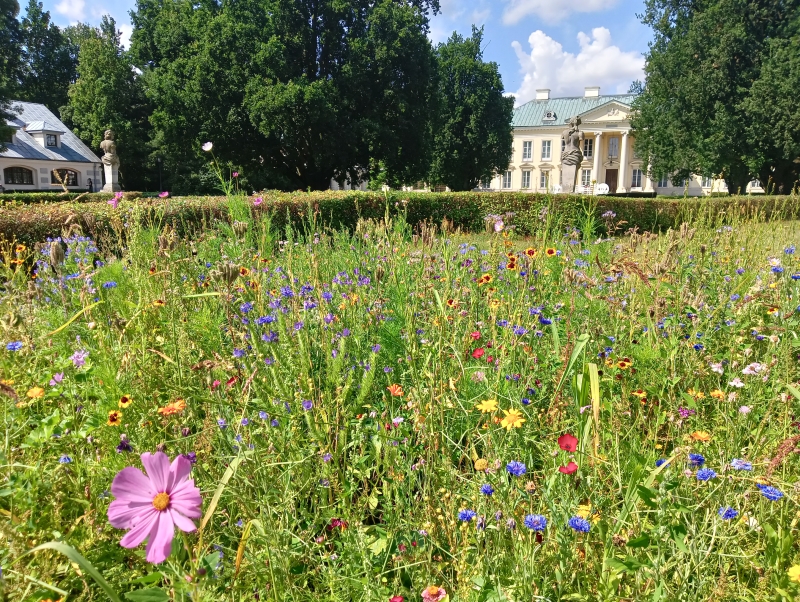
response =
{"points": [[395, 415]]}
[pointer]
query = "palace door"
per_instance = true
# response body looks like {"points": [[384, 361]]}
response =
{"points": [[611, 179]]}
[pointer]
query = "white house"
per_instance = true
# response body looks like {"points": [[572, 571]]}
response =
{"points": [[608, 156], [42, 152]]}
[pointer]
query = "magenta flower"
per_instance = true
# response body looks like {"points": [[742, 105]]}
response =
{"points": [[151, 506], [163, 195], [257, 201], [235, 174]]}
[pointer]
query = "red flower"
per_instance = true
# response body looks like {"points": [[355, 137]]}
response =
{"points": [[568, 443], [569, 468], [337, 522], [232, 381], [475, 335], [489, 359], [402, 547], [396, 599], [478, 353]]}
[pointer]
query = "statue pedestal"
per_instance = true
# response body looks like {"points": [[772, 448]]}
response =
{"points": [[568, 178], [112, 178]]}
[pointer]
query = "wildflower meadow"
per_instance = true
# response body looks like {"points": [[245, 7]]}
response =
{"points": [[397, 413]]}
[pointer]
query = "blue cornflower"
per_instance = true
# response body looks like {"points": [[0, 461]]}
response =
{"points": [[740, 271], [706, 474], [526, 401], [466, 515], [735, 297], [777, 269], [246, 307], [237, 353], [771, 493], [15, 345], [728, 513], [516, 469], [579, 524], [536, 522], [222, 423], [376, 348], [110, 284], [502, 323], [307, 404], [698, 346], [270, 338], [309, 304], [245, 421], [487, 489], [660, 462], [520, 331], [263, 415], [65, 459], [298, 325], [327, 295], [738, 464], [696, 460], [345, 332], [545, 321], [268, 361], [287, 292]]}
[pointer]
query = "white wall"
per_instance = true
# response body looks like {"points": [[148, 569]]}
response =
{"points": [[41, 174]]}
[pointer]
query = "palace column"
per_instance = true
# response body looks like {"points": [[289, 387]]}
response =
{"points": [[596, 167], [648, 181], [623, 164]]}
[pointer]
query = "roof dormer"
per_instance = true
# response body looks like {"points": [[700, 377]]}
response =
{"points": [[45, 133]]}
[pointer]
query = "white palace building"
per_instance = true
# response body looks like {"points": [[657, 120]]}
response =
{"points": [[608, 156], [41, 153]]}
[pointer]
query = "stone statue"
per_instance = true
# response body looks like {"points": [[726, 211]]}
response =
{"points": [[572, 156], [110, 162]]}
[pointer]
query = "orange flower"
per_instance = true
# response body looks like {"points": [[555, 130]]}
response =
{"points": [[485, 279], [125, 401], [639, 393], [512, 419], [511, 256], [174, 407], [20, 248], [114, 418], [243, 271], [395, 390], [452, 303], [511, 265], [624, 363], [551, 252], [717, 394], [159, 303], [152, 270], [530, 252], [701, 436], [35, 393]]}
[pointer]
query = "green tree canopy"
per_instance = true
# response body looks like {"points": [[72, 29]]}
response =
{"points": [[108, 95], [694, 114], [472, 131], [9, 61]]}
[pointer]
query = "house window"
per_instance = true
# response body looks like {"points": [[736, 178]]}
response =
{"points": [[663, 182], [546, 149], [526, 178], [679, 183], [507, 179], [18, 176], [588, 148], [486, 184], [706, 183], [636, 178], [52, 140], [527, 150], [613, 148], [544, 180], [755, 184], [586, 176], [67, 176]]}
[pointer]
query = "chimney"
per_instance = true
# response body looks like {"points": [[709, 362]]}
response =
{"points": [[591, 91], [543, 94]]}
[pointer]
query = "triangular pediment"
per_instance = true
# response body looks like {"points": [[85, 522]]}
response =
{"points": [[612, 111]]}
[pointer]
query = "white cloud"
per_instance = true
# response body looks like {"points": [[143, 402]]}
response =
{"points": [[599, 63], [72, 9], [125, 30], [551, 11], [479, 17]]}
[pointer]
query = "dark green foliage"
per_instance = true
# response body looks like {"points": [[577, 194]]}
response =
{"points": [[49, 60], [473, 130], [9, 61], [695, 113], [108, 94]]}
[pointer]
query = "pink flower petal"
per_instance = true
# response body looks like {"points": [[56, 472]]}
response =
{"points": [[178, 472], [157, 466], [130, 485], [160, 544], [183, 523], [124, 515], [141, 530]]}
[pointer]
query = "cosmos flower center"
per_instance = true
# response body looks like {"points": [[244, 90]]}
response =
{"points": [[161, 501]]}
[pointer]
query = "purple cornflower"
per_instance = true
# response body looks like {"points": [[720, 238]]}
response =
{"points": [[307, 404], [57, 378], [79, 358], [535, 522], [516, 469], [15, 345], [706, 474]]}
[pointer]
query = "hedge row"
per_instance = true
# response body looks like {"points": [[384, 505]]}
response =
{"points": [[31, 223]]}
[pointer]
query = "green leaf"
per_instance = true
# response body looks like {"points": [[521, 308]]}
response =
{"points": [[148, 595], [647, 495], [87, 566], [643, 541], [678, 534], [629, 565]]}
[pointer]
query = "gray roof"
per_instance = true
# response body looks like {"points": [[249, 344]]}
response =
{"points": [[531, 114], [38, 117]]}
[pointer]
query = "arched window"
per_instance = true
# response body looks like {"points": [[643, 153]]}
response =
{"points": [[18, 176], [67, 176]]}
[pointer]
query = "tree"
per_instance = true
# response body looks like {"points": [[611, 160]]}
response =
{"points": [[9, 61], [108, 95], [692, 115], [295, 92], [49, 61], [472, 137]]}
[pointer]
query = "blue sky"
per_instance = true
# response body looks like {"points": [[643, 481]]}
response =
{"points": [[563, 46]]}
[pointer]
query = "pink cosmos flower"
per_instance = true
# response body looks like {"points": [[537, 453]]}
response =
{"points": [[736, 382], [235, 174], [257, 201], [163, 195], [151, 506], [115, 201], [434, 593]]}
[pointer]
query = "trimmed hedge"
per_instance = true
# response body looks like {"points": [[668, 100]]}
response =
{"points": [[33, 223]]}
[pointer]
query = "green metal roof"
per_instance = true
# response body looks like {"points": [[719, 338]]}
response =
{"points": [[531, 114]]}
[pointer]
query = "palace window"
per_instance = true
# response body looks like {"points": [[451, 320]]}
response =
{"points": [[52, 140], [507, 179], [636, 178], [679, 183], [588, 148], [527, 150], [586, 177], [706, 183], [544, 180], [18, 176], [526, 178], [613, 148], [67, 176], [755, 183], [546, 149], [663, 182]]}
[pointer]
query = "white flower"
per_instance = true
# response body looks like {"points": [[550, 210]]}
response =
{"points": [[744, 410], [753, 369], [736, 382], [717, 368], [208, 146]]}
